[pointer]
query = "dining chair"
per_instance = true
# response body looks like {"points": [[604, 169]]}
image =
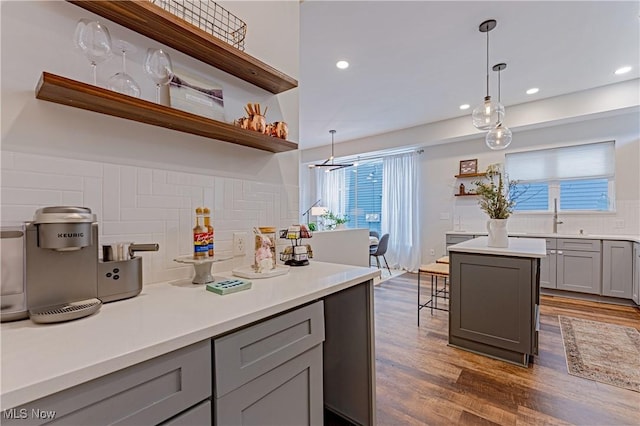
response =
{"points": [[380, 250]]}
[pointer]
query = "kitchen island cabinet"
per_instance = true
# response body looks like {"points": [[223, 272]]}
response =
{"points": [[494, 298], [166, 318]]}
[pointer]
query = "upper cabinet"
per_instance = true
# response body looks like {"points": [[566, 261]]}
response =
{"points": [[154, 22]]}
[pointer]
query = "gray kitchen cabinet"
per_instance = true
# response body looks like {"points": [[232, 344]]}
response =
{"points": [[271, 372], [199, 415], [147, 393], [617, 269], [548, 266], [636, 273], [578, 265], [455, 239], [290, 394]]}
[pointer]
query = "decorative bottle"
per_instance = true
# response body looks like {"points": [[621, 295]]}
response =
{"points": [[209, 228], [461, 189], [200, 242]]}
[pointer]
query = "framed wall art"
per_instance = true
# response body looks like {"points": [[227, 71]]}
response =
{"points": [[197, 96], [468, 167]]}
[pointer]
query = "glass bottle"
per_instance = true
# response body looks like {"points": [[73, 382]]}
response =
{"points": [[200, 241], [209, 228]]}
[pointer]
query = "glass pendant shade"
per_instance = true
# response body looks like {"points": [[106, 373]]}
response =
{"points": [[488, 115], [498, 138]]}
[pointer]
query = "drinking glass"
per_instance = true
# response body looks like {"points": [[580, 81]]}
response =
{"points": [[94, 41], [157, 64], [122, 82]]}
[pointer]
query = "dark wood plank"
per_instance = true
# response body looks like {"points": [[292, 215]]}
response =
{"points": [[65, 91], [421, 380], [158, 24]]}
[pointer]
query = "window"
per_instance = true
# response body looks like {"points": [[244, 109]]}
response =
{"points": [[364, 195], [581, 177], [588, 194]]}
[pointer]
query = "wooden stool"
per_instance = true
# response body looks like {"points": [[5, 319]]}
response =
{"points": [[443, 259], [436, 270]]}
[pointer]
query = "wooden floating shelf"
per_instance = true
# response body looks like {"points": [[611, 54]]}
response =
{"points": [[465, 195], [158, 24], [470, 175], [65, 91]]}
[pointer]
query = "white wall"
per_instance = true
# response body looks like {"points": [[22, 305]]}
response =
{"points": [[142, 181]]}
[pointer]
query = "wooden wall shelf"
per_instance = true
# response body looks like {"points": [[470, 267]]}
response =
{"points": [[468, 194], [470, 175], [65, 91], [154, 22]]}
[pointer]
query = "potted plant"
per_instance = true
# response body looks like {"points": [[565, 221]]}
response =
{"points": [[333, 221], [497, 198]]}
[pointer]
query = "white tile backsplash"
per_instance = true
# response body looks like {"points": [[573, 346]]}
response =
{"points": [[625, 221], [146, 205]]}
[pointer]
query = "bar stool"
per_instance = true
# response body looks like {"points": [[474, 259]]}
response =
{"points": [[436, 270], [443, 259]]}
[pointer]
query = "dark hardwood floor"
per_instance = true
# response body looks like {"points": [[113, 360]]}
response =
{"points": [[422, 381]]}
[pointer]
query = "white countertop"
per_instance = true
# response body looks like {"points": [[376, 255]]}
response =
{"points": [[518, 247], [619, 237], [38, 360]]}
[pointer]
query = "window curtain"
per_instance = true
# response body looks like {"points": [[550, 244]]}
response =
{"points": [[331, 189], [589, 161], [400, 211]]}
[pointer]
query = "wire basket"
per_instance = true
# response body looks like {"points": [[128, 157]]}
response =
{"points": [[210, 17]]}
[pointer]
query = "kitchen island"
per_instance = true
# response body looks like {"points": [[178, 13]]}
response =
{"points": [[495, 295], [54, 367]]}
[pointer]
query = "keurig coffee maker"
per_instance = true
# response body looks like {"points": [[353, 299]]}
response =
{"points": [[62, 264]]}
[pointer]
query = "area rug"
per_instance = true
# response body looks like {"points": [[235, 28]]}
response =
{"points": [[603, 352]]}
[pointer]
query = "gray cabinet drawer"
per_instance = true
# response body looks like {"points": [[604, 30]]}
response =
{"points": [[246, 354], [147, 393], [199, 415], [455, 239], [551, 243], [578, 244]]}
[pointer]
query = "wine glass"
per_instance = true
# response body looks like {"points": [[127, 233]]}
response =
{"points": [[122, 82], [94, 41], [157, 64]]}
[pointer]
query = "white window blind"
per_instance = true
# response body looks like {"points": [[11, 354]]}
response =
{"points": [[596, 160]]}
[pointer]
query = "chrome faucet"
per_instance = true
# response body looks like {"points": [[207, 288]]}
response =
{"points": [[556, 222]]}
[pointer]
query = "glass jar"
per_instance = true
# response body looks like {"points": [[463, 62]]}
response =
{"points": [[266, 233]]}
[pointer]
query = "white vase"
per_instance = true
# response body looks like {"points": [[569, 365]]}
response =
{"points": [[341, 226], [497, 229]]}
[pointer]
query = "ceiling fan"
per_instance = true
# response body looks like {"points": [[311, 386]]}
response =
{"points": [[329, 161]]}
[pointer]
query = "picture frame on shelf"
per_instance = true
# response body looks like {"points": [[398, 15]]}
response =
{"points": [[468, 167], [196, 95]]}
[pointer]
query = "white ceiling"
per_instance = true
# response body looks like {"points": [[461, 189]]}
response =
{"points": [[416, 62]]}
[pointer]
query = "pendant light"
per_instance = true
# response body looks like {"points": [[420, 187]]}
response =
{"points": [[500, 136], [490, 113], [329, 161]]}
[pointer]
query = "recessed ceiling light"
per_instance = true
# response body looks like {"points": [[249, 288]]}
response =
{"points": [[343, 65], [464, 106], [532, 91], [623, 70]]}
